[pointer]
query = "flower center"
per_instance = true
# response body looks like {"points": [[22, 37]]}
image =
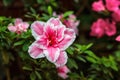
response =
{"points": [[52, 40]]}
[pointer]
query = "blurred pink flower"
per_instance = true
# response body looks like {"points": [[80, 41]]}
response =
{"points": [[19, 26], [62, 71], [97, 28], [116, 16], [98, 6], [110, 28], [112, 5], [102, 27], [52, 39], [72, 23], [117, 38]]}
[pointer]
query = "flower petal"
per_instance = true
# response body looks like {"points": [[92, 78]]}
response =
{"points": [[52, 53], [63, 75], [60, 32], [12, 28], [62, 71], [110, 28], [118, 38], [18, 21], [42, 42], [35, 51], [37, 28], [54, 21], [62, 59], [25, 24], [69, 37]]}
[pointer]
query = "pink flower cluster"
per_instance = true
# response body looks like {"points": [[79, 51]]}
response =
{"points": [[105, 26], [18, 27], [110, 5], [70, 22], [51, 40]]}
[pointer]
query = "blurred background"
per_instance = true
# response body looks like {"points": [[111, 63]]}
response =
{"points": [[93, 58]]}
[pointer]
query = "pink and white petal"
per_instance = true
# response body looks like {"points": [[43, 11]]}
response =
{"points": [[37, 28], [117, 38], [60, 32], [42, 42], [62, 59], [49, 29], [54, 21], [52, 54], [25, 25], [35, 51], [63, 75], [12, 28], [69, 37], [18, 21]]}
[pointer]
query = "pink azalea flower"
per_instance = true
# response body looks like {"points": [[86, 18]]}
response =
{"points": [[97, 28], [98, 6], [62, 71], [110, 28], [72, 23], [102, 27], [112, 5], [19, 26], [117, 38], [116, 16], [52, 39]]}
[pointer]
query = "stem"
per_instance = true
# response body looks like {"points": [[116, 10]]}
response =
{"points": [[8, 73]]}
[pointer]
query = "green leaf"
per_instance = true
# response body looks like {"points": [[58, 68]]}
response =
{"points": [[78, 46], [91, 59], [27, 68], [89, 45], [25, 47], [38, 75], [2, 18], [39, 1], [81, 59], [70, 50], [32, 10], [50, 10], [19, 43], [32, 76], [72, 63], [91, 54], [74, 76], [113, 63], [2, 29], [67, 13], [106, 62]]}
